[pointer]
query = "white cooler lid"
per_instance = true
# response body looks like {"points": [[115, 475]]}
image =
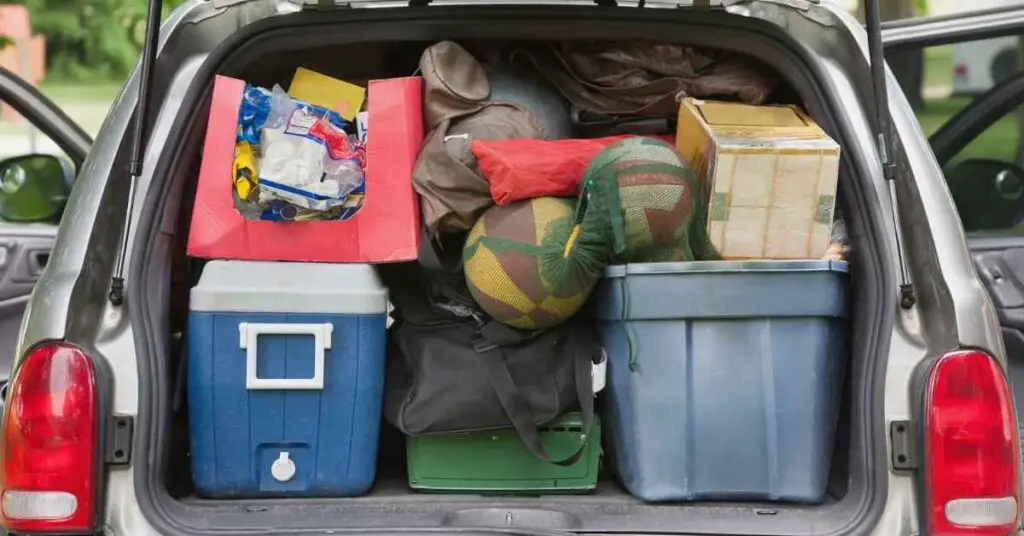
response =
{"points": [[288, 287]]}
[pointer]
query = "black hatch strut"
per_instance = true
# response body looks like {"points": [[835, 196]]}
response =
{"points": [[886, 147], [155, 9]]}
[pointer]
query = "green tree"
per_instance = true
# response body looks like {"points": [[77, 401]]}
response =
{"points": [[90, 39]]}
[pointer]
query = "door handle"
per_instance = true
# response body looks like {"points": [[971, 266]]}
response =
{"points": [[40, 259], [37, 261]]}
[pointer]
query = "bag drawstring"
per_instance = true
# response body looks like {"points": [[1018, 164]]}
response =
{"points": [[624, 315]]}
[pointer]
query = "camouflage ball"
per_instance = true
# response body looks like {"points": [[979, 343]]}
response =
{"points": [[650, 199], [523, 265]]}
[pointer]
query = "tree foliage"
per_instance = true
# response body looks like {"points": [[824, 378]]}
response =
{"points": [[90, 39]]}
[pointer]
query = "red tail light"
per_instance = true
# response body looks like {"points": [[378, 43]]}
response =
{"points": [[50, 443], [972, 452]]}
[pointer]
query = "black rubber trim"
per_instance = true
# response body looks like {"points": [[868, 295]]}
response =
{"points": [[967, 124], [876, 298], [918, 393], [45, 115]]}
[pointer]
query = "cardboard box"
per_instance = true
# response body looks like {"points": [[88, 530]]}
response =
{"points": [[331, 93], [768, 173], [386, 228]]}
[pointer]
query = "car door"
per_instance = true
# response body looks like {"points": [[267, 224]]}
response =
{"points": [[976, 134], [26, 242]]}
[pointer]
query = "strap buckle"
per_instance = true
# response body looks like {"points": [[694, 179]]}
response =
{"points": [[484, 346]]}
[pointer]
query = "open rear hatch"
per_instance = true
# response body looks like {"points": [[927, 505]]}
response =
{"points": [[321, 30]]}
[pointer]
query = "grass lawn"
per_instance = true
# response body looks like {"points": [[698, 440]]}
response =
{"points": [[999, 141], [938, 65], [85, 92]]}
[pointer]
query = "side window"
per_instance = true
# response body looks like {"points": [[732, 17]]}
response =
{"points": [[34, 172], [985, 172], [19, 137]]}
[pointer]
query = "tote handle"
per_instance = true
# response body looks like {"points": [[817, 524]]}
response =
{"points": [[515, 406]]}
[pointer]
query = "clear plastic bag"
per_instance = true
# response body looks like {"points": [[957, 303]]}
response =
{"points": [[281, 108], [308, 158]]}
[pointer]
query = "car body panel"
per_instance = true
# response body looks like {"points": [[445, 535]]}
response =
{"points": [[999, 259], [25, 248], [953, 309]]}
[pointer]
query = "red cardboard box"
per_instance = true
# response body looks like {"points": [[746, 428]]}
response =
{"points": [[386, 228]]}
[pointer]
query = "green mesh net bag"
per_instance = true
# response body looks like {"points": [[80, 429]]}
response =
{"points": [[529, 265], [647, 202]]}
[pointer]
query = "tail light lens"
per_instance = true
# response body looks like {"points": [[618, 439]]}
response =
{"points": [[50, 443], [972, 448]]}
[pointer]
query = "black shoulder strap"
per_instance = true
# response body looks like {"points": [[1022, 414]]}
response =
{"points": [[518, 410], [497, 334]]}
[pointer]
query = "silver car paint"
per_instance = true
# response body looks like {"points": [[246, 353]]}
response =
{"points": [[953, 308]]}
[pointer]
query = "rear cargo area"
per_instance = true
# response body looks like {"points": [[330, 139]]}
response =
{"points": [[704, 341]]}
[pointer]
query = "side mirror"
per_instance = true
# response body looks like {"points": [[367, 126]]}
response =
{"points": [[989, 194], [34, 188]]}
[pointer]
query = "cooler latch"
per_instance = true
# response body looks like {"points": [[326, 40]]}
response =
{"points": [[248, 333]]}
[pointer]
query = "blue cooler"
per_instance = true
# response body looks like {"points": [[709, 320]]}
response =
{"points": [[285, 378], [724, 377]]}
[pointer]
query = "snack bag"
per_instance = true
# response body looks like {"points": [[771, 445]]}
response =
{"points": [[310, 162]]}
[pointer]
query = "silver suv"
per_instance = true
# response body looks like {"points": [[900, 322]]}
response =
{"points": [[93, 436]]}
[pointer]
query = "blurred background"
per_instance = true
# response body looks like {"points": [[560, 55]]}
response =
{"points": [[77, 52]]}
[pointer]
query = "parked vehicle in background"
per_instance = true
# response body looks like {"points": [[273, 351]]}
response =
{"points": [[980, 64]]}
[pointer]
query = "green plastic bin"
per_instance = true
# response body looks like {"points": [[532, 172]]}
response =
{"points": [[498, 462]]}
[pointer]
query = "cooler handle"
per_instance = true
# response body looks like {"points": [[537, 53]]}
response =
{"points": [[321, 341]]}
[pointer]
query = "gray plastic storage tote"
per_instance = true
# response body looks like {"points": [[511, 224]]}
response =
{"points": [[724, 377]]}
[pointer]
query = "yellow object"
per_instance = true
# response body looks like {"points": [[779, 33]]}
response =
{"points": [[243, 171], [517, 268], [573, 237], [331, 93], [770, 175]]}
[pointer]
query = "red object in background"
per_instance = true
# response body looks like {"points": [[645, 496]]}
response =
{"points": [[26, 57], [526, 168], [386, 228]]}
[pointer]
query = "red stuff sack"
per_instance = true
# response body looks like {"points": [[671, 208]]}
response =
{"points": [[527, 168]]}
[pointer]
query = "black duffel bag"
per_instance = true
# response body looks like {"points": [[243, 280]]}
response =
{"points": [[451, 369]]}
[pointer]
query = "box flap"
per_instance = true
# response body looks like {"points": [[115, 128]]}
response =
{"points": [[744, 115]]}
